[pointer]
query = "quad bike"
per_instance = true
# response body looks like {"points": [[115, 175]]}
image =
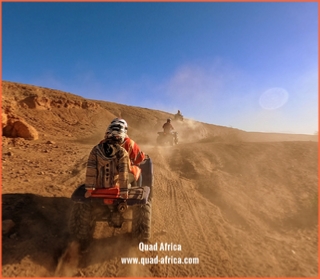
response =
{"points": [[106, 205], [167, 138], [178, 117]]}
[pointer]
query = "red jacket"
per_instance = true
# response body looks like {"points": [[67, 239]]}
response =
{"points": [[136, 156]]}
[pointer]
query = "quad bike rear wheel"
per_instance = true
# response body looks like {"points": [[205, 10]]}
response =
{"points": [[141, 223], [82, 223]]}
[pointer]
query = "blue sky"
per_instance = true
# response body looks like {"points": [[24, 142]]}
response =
{"points": [[250, 65]]}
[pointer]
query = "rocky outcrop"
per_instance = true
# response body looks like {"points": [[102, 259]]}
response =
{"points": [[41, 102], [40, 98], [14, 127]]}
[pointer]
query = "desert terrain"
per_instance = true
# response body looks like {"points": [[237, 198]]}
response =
{"points": [[243, 204]]}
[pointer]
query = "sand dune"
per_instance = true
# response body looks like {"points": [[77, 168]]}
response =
{"points": [[243, 204]]}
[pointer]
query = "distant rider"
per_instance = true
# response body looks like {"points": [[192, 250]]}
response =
{"points": [[178, 116], [167, 127]]}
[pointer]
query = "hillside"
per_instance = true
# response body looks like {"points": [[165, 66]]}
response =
{"points": [[245, 204]]}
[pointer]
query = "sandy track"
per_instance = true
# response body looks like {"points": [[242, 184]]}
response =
{"points": [[185, 222], [207, 224]]}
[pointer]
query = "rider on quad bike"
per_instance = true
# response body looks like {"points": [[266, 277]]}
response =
{"points": [[178, 116], [110, 192], [107, 160], [168, 135], [167, 127]]}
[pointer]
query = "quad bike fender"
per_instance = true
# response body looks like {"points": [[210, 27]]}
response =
{"points": [[147, 175], [147, 172]]}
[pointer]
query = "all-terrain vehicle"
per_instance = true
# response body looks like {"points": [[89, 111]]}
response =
{"points": [[167, 138], [178, 117], [106, 205]]}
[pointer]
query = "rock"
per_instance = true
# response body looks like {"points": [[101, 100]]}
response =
{"points": [[20, 128], [24, 130], [7, 226], [36, 102], [4, 119]]}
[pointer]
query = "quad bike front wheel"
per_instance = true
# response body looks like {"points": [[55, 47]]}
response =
{"points": [[82, 223], [141, 223]]}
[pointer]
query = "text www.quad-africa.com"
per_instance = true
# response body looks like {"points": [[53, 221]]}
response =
{"points": [[161, 260]]}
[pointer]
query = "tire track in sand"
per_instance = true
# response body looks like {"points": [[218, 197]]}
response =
{"points": [[197, 235]]}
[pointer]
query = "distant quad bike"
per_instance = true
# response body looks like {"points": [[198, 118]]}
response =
{"points": [[178, 117], [167, 138], [106, 205]]}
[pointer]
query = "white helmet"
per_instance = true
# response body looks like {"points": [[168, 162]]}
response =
{"points": [[120, 121], [117, 130]]}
